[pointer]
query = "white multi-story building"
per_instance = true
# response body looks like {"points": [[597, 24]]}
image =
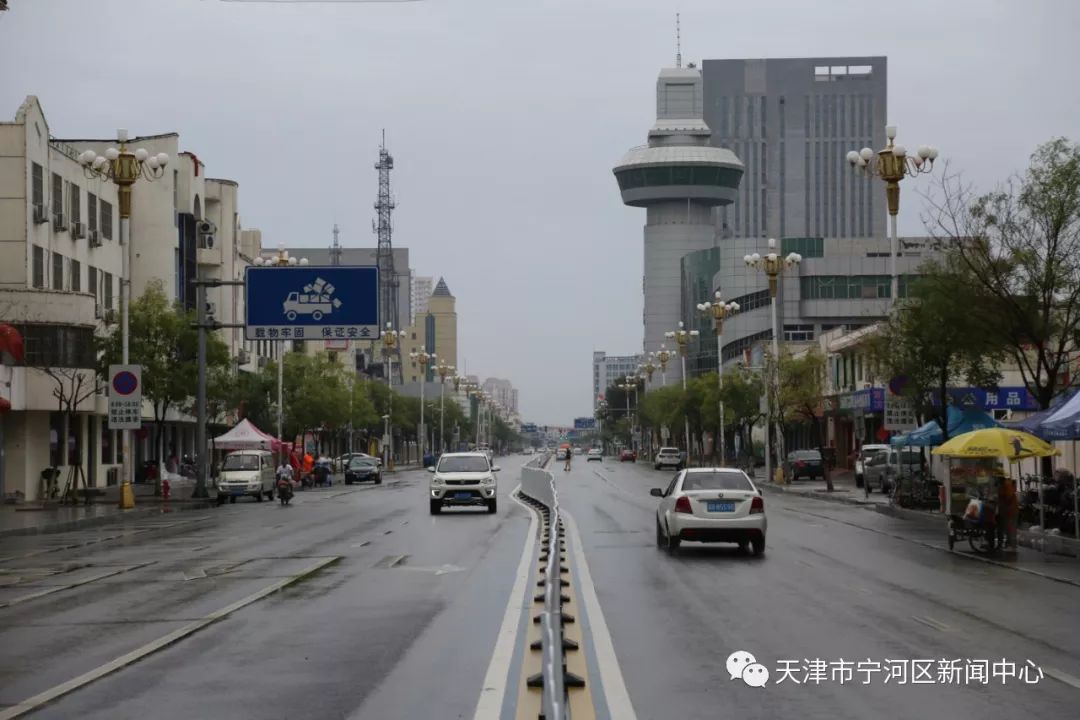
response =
{"points": [[610, 369], [420, 287], [60, 273], [503, 393]]}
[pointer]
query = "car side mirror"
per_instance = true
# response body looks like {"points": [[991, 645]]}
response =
{"points": [[431, 469], [495, 468], [657, 492]]}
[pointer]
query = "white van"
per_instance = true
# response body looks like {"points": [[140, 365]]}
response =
{"points": [[246, 472]]}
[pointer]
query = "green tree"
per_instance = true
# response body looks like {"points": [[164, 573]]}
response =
{"points": [[802, 383], [1018, 249], [316, 399], [164, 341], [742, 405], [930, 341]]}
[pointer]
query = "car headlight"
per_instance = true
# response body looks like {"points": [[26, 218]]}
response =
{"points": [[436, 480]]}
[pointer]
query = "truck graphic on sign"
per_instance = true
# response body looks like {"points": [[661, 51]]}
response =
{"points": [[316, 300]]}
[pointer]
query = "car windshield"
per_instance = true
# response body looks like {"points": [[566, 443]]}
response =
{"points": [[669, 451], [870, 451], [806, 455], [241, 462], [463, 464], [361, 462], [716, 480]]}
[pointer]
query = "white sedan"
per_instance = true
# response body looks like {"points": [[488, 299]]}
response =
{"points": [[595, 454], [711, 505]]}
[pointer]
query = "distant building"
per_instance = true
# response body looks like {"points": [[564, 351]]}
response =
{"points": [[502, 392], [421, 288], [435, 331], [610, 369]]}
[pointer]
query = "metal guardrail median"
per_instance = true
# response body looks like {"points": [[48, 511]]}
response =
{"points": [[538, 488]]}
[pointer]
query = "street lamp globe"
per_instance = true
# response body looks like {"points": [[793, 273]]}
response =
{"points": [[303, 261]]}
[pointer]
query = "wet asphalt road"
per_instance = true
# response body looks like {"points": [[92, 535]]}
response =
{"points": [[402, 626], [829, 588], [403, 621]]}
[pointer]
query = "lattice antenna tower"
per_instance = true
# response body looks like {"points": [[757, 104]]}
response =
{"points": [[383, 226], [335, 247], [678, 42]]}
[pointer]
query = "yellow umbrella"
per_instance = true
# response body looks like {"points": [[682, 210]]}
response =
{"points": [[996, 442]]}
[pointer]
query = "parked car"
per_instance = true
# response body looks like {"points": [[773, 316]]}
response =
{"points": [[710, 505], [577, 451], [363, 469], [804, 464], [627, 455], [881, 471], [668, 457], [865, 453], [595, 454], [247, 472], [463, 479]]}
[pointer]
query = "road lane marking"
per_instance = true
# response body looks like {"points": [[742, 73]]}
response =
{"points": [[1062, 677], [35, 702], [489, 706], [931, 622], [58, 588], [611, 678]]}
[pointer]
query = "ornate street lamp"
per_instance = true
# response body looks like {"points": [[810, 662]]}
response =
{"points": [[720, 310], [893, 164], [124, 167], [663, 357], [773, 266], [423, 358], [682, 341], [390, 338]]}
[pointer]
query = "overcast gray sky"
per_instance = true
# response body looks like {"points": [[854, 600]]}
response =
{"points": [[504, 119]]}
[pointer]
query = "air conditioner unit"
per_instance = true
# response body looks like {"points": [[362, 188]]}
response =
{"points": [[263, 362], [95, 238], [99, 312], [40, 216], [208, 242], [205, 227], [110, 316], [59, 221], [243, 357], [78, 230]]}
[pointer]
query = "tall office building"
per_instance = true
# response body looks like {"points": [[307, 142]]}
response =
{"points": [[679, 178], [792, 120], [610, 369], [420, 287]]}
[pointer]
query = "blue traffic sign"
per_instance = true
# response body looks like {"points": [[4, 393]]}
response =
{"points": [[584, 423], [312, 302]]}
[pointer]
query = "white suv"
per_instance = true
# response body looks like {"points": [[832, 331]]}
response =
{"points": [[668, 457], [463, 479]]}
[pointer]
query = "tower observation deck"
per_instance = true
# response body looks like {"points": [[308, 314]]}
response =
{"points": [[678, 177]]}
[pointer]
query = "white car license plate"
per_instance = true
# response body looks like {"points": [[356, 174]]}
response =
{"points": [[720, 507]]}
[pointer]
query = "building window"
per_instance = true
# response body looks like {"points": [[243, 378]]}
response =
{"points": [[74, 440], [845, 287], [57, 271], [57, 194], [798, 333], [753, 300], [91, 211], [37, 185], [107, 290], [106, 446], [75, 277], [808, 247], [76, 209], [92, 282], [38, 269], [106, 220], [57, 346], [56, 431]]}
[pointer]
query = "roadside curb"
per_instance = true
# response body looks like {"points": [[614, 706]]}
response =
{"points": [[88, 522], [823, 496]]}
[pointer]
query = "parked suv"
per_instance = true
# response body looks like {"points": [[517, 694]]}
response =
{"points": [[865, 453], [881, 471], [668, 457], [463, 479]]}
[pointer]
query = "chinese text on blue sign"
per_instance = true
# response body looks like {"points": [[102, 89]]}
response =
{"points": [[312, 302]]}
